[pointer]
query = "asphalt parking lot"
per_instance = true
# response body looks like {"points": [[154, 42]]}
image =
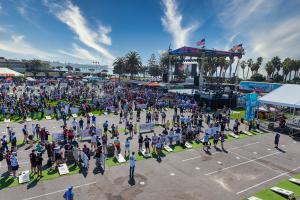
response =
{"points": [[247, 166]]}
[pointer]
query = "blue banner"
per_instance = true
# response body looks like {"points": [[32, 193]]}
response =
{"points": [[251, 104]]}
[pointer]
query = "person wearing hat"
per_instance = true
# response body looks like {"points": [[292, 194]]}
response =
{"points": [[69, 195]]}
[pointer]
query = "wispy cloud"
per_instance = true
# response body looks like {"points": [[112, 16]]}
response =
{"points": [[172, 22], [79, 53], [71, 15], [17, 45], [282, 39]]}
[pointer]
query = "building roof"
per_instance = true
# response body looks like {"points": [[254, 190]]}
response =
{"points": [[287, 95], [8, 72]]}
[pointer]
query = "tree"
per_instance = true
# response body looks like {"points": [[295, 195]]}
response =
{"points": [[256, 65], [133, 63], [269, 69], [276, 63], [154, 68], [257, 77], [250, 66], [69, 68], [119, 66], [287, 68], [296, 68], [277, 78], [243, 66]]}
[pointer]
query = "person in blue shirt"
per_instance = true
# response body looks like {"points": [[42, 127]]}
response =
{"points": [[132, 166], [94, 120], [69, 195]]}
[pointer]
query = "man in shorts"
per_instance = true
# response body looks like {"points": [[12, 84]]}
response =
{"points": [[32, 157]]}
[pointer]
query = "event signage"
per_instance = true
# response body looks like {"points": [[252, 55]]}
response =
{"points": [[258, 86], [251, 104], [148, 127]]}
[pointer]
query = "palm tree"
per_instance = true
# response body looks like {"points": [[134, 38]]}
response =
{"points": [[133, 63], [243, 66], [296, 68], [119, 66], [270, 69], [250, 66], [221, 64], [276, 63], [287, 64]]}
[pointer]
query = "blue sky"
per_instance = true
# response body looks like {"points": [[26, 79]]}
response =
{"points": [[83, 31]]}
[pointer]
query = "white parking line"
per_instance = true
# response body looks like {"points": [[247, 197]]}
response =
{"points": [[210, 173], [58, 191], [275, 177], [257, 162], [193, 158]]}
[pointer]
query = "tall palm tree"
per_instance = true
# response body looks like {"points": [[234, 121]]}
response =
{"points": [[119, 66], [286, 69], [269, 69], [243, 66], [250, 66], [296, 68], [133, 63], [221, 64], [276, 63]]}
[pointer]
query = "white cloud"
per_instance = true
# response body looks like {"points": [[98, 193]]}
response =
{"points": [[18, 45], [79, 53], [1, 8], [282, 39], [172, 20], [71, 15]]}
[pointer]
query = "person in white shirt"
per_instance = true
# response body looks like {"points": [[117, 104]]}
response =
{"points": [[74, 124], [132, 166]]}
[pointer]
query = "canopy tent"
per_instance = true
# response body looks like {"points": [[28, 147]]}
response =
{"points": [[6, 72], [287, 95]]}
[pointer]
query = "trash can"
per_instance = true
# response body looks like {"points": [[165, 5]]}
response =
{"points": [[110, 150]]}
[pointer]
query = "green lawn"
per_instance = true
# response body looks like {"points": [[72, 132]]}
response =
{"points": [[267, 194], [239, 115], [49, 174]]}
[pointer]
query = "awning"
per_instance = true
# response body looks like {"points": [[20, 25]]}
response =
{"points": [[287, 95], [6, 72]]}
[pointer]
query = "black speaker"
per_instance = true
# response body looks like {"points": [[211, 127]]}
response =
{"points": [[196, 81], [165, 77], [194, 70]]}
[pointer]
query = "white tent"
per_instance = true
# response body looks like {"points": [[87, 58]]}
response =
{"points": [[6, 72], [287, 95]]}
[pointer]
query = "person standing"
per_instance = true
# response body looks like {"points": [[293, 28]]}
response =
{"points": [[25, 133], [69, 195], [127, 147], [276, 142], [32, 157], [39, 164], [132, 166], [81, 124], [14, 163]]}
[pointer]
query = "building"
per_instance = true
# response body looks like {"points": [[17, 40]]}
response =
{"points": [[84, 68], [17, 65]]}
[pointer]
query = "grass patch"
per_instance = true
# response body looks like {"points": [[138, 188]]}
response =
{"points": [[48, 174], [268, 194], [237, 113]]}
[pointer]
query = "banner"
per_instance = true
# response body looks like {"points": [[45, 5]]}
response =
{"points": [[141, 106], [58, 136], [148, 127], [74, 110], [251, 104]]}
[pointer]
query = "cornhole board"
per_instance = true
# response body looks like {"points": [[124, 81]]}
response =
{"points": [[105, 113], [295, 180], [233, 135], [74, 115], [254, 198], [284, 192], [24, 177], [188, 145], [28, 119], [146, 155], [259, 131], [168, 148], [48, 117], [63, 169], [7, 120], [120, 158], [247, 133]]}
